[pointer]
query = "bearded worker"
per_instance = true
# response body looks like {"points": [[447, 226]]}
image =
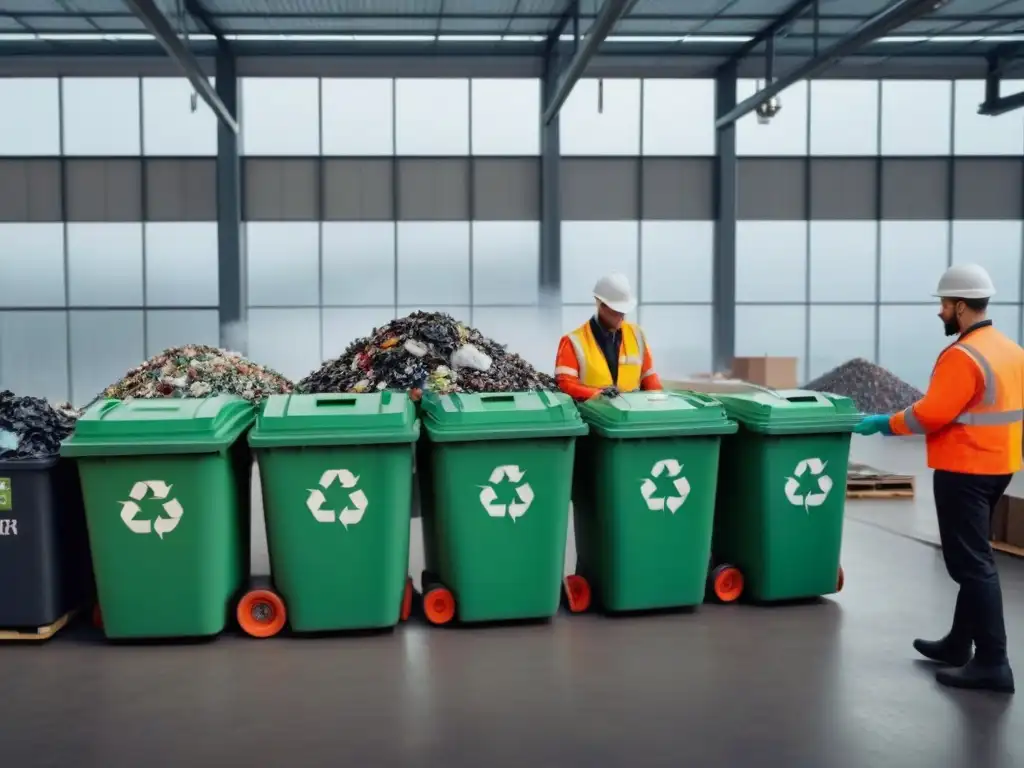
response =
{"points": [[971, 417]]}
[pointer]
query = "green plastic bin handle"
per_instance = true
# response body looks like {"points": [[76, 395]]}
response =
{"points": [[703, 398], [107, 405], [335, 400], [497, 398], [158, 406], [816, 397]]}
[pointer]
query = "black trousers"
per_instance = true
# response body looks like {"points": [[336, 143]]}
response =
{"points": [[965, 505]]}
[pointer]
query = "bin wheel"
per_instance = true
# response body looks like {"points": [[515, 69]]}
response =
{"points": [[97, 616], [727, 583], [577, 593], [261, 613], [438, 605], [841, 580], [407, 596]]}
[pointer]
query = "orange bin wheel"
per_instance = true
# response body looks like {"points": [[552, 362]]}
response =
{"points": [[841, 580], [439, 605], [261, 613], [727, 583], [577, 593], [407, 600]]}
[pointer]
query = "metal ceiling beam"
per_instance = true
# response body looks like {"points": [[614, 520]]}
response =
{"points": [[879, 25], [1001, 105], [570, 14], [161, 29], [202, 13], [994, 104], [791, 14], [610, 13]]}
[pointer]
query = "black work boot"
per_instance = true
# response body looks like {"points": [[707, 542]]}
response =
{"points": [[945, 651], [979, 677]]}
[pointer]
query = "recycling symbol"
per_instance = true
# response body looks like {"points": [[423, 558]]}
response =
{"points": [[350, 515], [157, 490], [801, 488], [672, 470], [516, 503]]}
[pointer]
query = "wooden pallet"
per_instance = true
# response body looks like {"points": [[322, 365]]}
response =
{"points": [[39, 633], [1009, 549], [864, 482]]}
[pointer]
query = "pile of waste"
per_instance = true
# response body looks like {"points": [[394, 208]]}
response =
{"points": [[426, 350], [872, 388], [31, 428], [199, 371]]}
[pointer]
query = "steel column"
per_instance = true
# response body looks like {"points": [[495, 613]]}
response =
{"points": [[550, 276], [723, 273], [230, 241], [159, 26], [896, 15]]}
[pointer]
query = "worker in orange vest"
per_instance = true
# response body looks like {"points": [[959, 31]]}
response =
{"points": [[606, 355], [971, 417]]}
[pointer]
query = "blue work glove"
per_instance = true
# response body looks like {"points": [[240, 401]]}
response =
{"points": [[870, 425]]}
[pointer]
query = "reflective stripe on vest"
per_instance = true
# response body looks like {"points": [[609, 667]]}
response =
{"points": [[581, 355], [979, 416], [989, 396]]}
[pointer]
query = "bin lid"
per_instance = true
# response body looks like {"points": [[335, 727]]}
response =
{"points": [[656, 414], [792, 411], [172, 425], [335, 419], [500, 416]]}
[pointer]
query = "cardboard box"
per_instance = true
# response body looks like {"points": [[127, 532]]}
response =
{"points": [[1014, 522], [774, 372], [999, 519]]}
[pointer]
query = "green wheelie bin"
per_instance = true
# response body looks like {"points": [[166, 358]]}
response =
{"points": [[495, 473], [166, 490], [781, 496], [644, 500], [336, 473]]}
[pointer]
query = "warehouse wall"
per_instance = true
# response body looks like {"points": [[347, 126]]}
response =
{"points": [[367, 198]]}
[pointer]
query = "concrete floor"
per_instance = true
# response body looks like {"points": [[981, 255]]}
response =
{"points": [[831, 684]]}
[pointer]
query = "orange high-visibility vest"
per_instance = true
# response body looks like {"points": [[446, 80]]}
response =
{"points": [[593, 368], [973, 409]]}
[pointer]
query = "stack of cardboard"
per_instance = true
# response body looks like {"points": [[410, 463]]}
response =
{"points": [[711, 384], [748, 374], [1008, 522], [773, 372]]}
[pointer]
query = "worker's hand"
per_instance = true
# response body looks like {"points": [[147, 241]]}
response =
{"points": [[610, 392], [871, 425]]}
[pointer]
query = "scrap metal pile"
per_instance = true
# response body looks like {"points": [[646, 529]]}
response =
{"points": [[199, 371], [426, 350], [871, 387], [31, 428]]}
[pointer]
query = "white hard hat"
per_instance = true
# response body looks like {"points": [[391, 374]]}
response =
{"points": [[613, 291], [965, 281]]}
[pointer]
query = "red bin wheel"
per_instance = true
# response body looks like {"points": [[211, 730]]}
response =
{"points": [[261, 613], [841, 580], [97, 616], [577, 593], [727, 583], [407, 600], [439, 605]]}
